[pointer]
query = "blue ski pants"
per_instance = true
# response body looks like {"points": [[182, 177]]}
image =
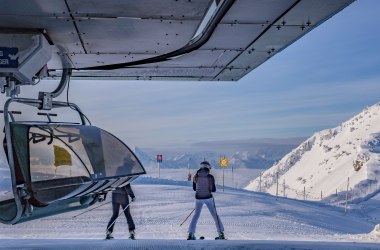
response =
{"points": [[211, 207]]}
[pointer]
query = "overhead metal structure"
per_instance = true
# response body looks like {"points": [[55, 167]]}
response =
{"points": [[219, 40]]}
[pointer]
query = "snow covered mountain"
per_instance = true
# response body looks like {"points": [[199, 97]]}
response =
{"points": [[250, 154], [243, 166], [238, 159], [330, 162], [144, 158]]}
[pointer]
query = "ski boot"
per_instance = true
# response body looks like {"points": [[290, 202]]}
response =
{"points": [[109, 235], [191, 236], [221, 236], [132, 234]]}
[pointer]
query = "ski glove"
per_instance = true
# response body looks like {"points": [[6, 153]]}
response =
{"points": [[133, 199]]}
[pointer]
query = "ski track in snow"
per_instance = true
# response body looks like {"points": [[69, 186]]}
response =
{"points": [[183, 244]]}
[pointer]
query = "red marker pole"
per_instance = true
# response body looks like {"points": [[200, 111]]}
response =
{"points": [[159, 159]]}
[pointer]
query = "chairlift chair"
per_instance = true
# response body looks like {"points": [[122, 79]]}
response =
{"points": [[61, 166]]}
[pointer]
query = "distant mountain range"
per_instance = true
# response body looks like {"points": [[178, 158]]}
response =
{"points": [[330, 162], [252, 153]]}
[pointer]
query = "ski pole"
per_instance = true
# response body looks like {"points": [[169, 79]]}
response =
{"points": [[113, 222], [91, 209], [187, 217]]}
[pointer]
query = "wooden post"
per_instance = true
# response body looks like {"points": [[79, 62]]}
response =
{"points": [[158, 169], [223, 179], [304, 193], [283, 183], [277, 187], [188, 174], [348, 183], [375, 183], [233, 182], [260, 181], [159, 159]]}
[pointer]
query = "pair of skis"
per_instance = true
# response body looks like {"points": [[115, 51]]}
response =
{"points": [[111, 238], [203, 238]]}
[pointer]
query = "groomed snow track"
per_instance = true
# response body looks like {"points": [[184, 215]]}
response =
{"points": [[181, 244]]}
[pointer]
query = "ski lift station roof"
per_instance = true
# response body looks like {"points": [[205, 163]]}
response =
{"points": [[206, 40]]}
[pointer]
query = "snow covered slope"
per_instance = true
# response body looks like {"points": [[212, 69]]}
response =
{"points": [[329, 161], [252, 221], [162, 205]]}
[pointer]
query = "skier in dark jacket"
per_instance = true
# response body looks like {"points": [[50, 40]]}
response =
{"points": [[204, 185], [120, 198]]}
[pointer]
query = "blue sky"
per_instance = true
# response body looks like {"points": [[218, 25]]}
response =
{"points": [[318, 82]]}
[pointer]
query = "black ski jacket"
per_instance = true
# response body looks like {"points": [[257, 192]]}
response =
{"points": [[126, 190], [203, 184]]}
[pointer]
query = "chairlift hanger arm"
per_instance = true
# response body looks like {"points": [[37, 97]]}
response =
{"points": [[47, 97]]}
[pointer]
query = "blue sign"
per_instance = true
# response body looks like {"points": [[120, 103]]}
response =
{"points": [[8, 57]]}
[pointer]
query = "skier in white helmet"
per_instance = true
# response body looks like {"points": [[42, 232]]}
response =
{"points": [[204, 185]]}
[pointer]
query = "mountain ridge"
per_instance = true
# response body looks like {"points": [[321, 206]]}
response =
{"points": [[329, 161]]}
